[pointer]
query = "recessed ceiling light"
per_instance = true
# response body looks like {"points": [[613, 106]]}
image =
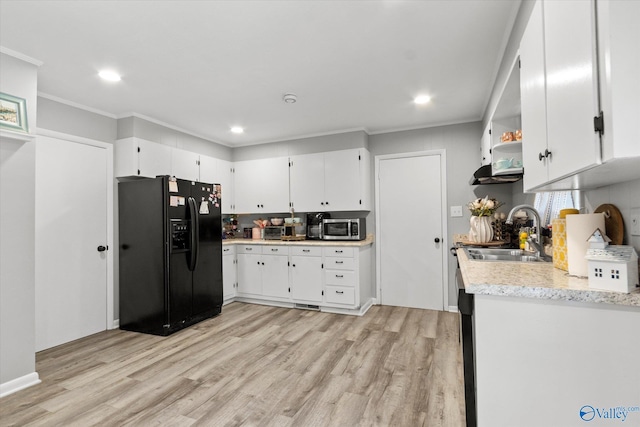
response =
{"points": [[422, 99], [109, 75], [237, 129]]}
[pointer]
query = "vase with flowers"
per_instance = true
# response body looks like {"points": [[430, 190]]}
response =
{"points": [[482, 209]]}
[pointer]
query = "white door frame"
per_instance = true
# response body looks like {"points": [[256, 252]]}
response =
{"points": [[444, 238], [110, 321]]}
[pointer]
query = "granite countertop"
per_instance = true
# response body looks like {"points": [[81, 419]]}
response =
{"points": [[538, 280], [357, 243]]}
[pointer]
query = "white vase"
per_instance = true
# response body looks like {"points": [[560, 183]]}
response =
{"points": [[481, 230]]}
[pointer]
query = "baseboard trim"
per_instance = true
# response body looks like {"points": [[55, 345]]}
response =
{"points": [[116, 324], [18, 384], [453, 308]]}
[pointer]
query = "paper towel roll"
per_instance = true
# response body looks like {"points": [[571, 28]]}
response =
{"points": [[579, 229]]}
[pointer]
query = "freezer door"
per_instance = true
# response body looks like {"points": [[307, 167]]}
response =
{"points": [[207, 275]]}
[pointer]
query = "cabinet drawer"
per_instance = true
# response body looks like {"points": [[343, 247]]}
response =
{"points": [[338, 277], [340, 295], [334, 263], [275, 250], [338, 251], [228, 250], [305, 251], [249, 249]]}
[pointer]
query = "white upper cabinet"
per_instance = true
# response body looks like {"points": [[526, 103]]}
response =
{"points": [[572, 93], [185, 164], [138, 157], [566, 81], [218, 171], [533, 99], [262, 185], [485, 146], [331, 181], [306, 176]]}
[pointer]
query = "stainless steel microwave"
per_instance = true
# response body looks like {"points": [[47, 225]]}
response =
{"points": [[344, 229]]}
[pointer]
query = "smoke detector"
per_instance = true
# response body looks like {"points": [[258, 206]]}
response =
{"points": [[290, 98]]}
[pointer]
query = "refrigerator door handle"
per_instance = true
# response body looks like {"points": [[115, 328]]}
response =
{"points": [[194, 235]]}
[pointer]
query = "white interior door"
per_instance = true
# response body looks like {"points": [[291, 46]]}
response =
{"points": [[409, 219], [71, 222]]}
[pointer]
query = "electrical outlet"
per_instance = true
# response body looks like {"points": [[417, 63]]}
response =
{"points": [[635, 225], [456, 211]]}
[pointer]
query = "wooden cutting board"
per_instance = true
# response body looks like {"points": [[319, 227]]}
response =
{"points": [[613, 222]]}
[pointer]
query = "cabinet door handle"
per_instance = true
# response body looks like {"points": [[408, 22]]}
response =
{"points": [[339, 276], [339, 262], [248, 249], [306, 250], [258, 262], [339, 252], [274, 250], [339, 292]]}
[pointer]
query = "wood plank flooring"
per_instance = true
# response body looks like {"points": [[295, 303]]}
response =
{"points": [[256, 366]]}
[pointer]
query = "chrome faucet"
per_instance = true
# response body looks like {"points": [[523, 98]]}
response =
{"points": [[536, 224]]}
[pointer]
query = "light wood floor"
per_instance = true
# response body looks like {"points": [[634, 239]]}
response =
{"points": [[256, 366]]}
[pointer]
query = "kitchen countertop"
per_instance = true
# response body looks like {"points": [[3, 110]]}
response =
{"points": [[357, 243], [538, 280]]}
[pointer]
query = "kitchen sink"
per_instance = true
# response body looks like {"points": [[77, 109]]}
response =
{"points": [[487, 254]]}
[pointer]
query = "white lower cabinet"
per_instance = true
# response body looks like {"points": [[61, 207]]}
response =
{"points": [[340, 276], [275, 272], [263, 272], [249, 271], [229, 272], [306, 274], [333, 278]]}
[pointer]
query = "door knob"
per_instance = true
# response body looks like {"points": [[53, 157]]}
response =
{"points": [[437, 240], [102, 248]]}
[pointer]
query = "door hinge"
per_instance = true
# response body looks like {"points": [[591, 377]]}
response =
{"points": [[289, 289], [322, 292], [288, 264], [198, 162], [360, 201], [359, 157], [598, 123], [321, 265], [138, 171], [138, 149], [519, 63]]}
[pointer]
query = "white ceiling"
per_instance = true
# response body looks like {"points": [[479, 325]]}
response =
{"points": [[205, 66]]}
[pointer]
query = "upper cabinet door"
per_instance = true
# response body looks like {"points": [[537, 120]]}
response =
{"points": [[185, 164], [533, 100], [342, 180], [571, 78], [224, 177], [262, 185], [208, 169], [306, 175], [153, 159]]}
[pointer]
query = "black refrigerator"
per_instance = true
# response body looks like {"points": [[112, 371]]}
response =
{"points": [[170, 250]]}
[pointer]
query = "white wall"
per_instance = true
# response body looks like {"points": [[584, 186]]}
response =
{"points": [[626, 197], [17, 228]]}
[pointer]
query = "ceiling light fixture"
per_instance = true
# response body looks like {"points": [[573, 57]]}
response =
{"points": [[422, 99], [290, 98], [109, 75], [237, 129]]}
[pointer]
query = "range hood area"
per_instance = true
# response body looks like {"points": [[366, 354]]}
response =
{"points": [[484, 176]]}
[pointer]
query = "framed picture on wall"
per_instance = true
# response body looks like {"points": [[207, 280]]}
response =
{"points": [[13, 113]]}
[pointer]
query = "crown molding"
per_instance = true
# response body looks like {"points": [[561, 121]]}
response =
{"points": [[21, 56]]}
